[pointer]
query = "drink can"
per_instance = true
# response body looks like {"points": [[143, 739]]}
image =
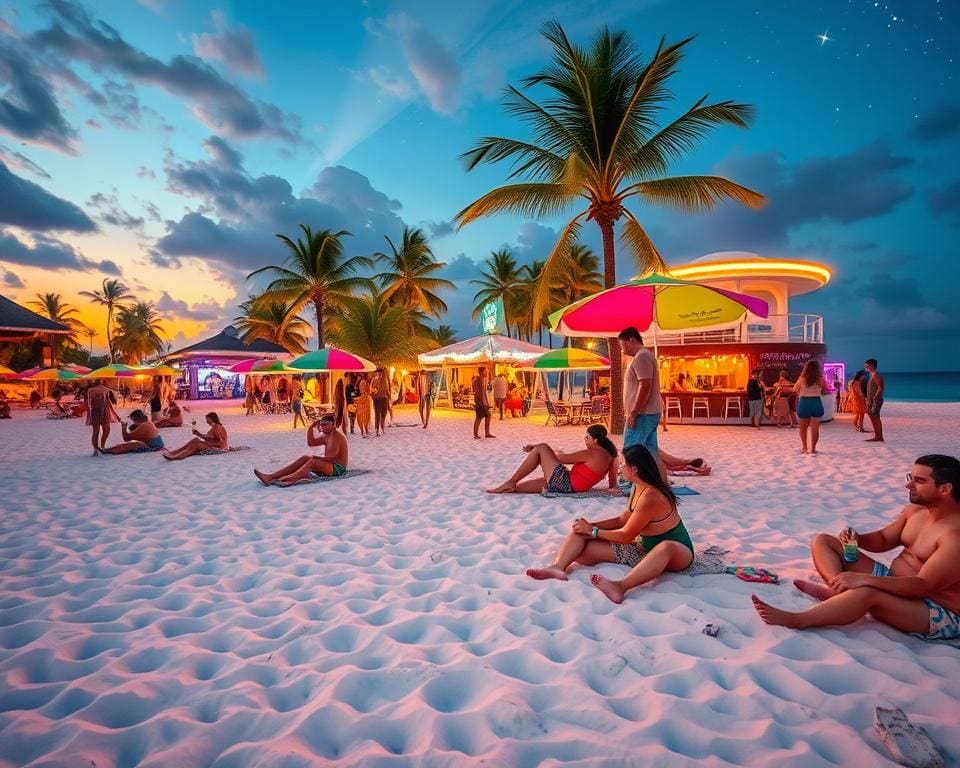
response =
{"points": [[851, 552]]}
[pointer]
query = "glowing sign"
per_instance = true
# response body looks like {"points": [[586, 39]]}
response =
{"points": [[491, 316]]}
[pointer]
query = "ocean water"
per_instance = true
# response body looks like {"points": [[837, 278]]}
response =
{"points": [[927, 387]]}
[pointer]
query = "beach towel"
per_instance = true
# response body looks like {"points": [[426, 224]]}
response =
{"points": [[231, 449], [600, 493], [710, 560], [324, 478], [749, 573]]}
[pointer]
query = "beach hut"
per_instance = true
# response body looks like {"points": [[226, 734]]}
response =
{"points": [[457, 364], [17, 323], [208, 361]]}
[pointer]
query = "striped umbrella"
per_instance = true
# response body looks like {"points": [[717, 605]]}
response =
{"points": [[331, 359], [81, 369], [7, 373], [256, 366], [567, 359], [112, 371], [48, 374]]}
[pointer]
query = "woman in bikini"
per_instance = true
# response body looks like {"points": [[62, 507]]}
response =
{"points": [[214, 441], [648, 535], [589, 466]]}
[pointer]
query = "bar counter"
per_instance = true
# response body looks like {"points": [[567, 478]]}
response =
{"points": [[716, 403]]}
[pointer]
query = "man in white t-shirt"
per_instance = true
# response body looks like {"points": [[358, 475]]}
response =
{"points": [[641, 393]]}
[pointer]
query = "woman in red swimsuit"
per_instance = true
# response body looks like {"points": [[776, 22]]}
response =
{"points": [[589, 466]]}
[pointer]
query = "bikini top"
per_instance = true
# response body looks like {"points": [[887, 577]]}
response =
{"points": [[636, 496]]}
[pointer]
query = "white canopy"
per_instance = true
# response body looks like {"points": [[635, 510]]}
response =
{"points": [[482, 349]]}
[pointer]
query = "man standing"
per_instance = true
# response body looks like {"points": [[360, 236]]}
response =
{"points": [[100, 415], [481, 406], [874, 400], [641, 393], [920, 591], [500, 392], [755, 398], [424, 396]]}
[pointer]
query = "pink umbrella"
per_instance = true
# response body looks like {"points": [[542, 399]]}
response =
{"points": [[257, 365]]}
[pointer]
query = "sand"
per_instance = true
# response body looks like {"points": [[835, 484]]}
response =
{"points": [[180, 614]]}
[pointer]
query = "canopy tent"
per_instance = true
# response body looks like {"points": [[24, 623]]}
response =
{"points": [[488, 351], [17, 323], [221, 351]]}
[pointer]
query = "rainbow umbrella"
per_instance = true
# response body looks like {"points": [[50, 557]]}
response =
{"points": [[48, 374], [81, 369], [257, 366], [112, 371], [671, 303], [152, 370], [331, 359], [567, 359], [7, 373]]}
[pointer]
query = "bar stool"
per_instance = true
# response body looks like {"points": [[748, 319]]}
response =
{"points": [[732, 404], [673, 404], [701, 403]]}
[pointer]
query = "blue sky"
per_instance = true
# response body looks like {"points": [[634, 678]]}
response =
{"points": [[166, 142]]}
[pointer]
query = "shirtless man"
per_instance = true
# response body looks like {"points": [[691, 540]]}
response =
{"points": [[920, 591], [874, 400], [333, 463], [142, 437]]}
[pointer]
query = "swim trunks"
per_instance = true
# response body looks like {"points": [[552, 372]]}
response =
{"points": [[559, 480], [874, 406], [481, 411], [338, 471], [152, 445], [944, 623]]}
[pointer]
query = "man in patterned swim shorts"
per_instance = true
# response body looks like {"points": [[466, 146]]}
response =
{"points": [[919, 592]]}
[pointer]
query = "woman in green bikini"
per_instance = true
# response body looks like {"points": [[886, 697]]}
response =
{"points": [[648, 535]]}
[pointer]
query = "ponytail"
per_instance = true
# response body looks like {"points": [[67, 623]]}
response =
{"points": [[599, 433]]}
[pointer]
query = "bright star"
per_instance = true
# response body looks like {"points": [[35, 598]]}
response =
{"points": [[824, 38]]}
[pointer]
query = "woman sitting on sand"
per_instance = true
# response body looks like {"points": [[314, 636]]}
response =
{"points": [[590, 466], [142, 437], [172, 416], [214, 441], [648, 535]]}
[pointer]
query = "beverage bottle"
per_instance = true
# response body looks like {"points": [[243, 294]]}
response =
{"points": [[851, 551]]}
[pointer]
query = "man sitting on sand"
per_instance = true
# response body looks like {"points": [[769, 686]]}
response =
{"points": [[142, 437], [333, 463], [173, 416], [920, 591]]}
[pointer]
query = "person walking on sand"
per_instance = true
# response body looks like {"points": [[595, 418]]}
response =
{"points": [[857, 400], [481, 405], [213, 441], [874, 400], [919, 592], [810, 386], [100, 415], [641, 394], [589, 466], [500, 392], [333, 463], [755, 398], [380, 392], [142, 437], [648, 536], [424, 396], [296, 403]]}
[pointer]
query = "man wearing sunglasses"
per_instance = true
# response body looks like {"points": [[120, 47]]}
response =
{"points": [[919, 592]]}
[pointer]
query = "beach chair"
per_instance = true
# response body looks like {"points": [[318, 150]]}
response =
{"points": [[559, 414], [596, 414]]}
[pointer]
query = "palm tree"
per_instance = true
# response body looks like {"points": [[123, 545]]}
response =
{"points": [[409, 280], [138, 332], [316, 273], [51, 305], [273, 321], [597, 137], [443, 335], [579, 276], [388, 334], [113, 295], [503, 280]]}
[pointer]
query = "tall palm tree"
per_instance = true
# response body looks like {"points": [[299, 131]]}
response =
{"points": [[597, 138], [388, 334], [273, 321], [443, 335], [139, 332], [52, 305], [409, 281], [578, 276], [113, 295], [531, 275], [316, 273], [502, 280]]}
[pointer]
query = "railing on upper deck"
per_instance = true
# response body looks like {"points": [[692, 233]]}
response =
{"points": [[792, 328]]}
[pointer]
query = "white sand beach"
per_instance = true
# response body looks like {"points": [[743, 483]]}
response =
{"points": [[180, 614]]}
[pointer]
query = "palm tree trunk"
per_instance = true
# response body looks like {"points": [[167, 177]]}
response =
{"points": [[324, 379], [109, 337], [616, 360]]}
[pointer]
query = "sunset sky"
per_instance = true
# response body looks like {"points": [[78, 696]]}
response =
{"points": [[166, 142]]}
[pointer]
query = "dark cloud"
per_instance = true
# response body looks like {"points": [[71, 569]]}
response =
{"points": [[21, 162], [30, 206], [440, 228], [76, 36], [203, 313], [50, 253], [943, 122], [535, 242], [461, 268], [28, 109], [110, 212], [10, 280], [945, 200], [233, 47], [145, 173]]}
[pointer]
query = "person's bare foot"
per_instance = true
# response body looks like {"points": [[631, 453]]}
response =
{"points": [[551, 572], [489, 435], [285, 482], [816, 591], [610, 588], [168, 455], [774, 616], [260, 477], [96, 451], [502, 488]]}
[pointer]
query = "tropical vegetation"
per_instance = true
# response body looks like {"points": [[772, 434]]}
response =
{"points": [[273, 321], [113, 295], [51, 305], [139, 332], [411, 277]]}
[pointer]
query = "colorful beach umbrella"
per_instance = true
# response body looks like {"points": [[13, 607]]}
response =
{"points": [[152, 370], [48, 374], [568, 359], [81, 369], [673, 304], [112, 371], [331, 359], [257, 366], [7, 373]]}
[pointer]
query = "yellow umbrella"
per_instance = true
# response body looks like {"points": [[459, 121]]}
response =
{"points": [[156, 370], [7, 372]]}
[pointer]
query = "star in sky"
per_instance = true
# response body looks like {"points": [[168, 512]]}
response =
{"points": [[824, 37]]}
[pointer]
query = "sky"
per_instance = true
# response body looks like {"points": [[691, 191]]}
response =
{"points": [[165, 143]]}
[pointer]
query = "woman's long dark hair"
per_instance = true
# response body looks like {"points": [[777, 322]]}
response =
{"points": [[811, 374], [638, 457], [214, 418], [599, 433]]}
